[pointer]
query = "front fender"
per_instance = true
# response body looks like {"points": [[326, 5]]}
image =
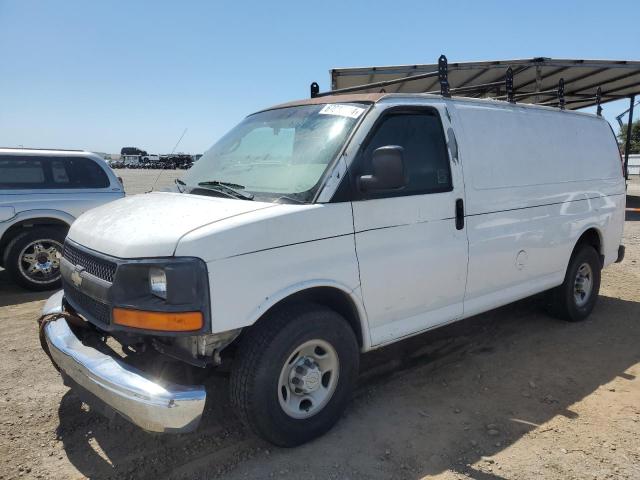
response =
{"points": [[353, 294]]}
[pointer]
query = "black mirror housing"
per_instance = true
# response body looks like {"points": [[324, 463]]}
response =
{"points": [[388, 170]]}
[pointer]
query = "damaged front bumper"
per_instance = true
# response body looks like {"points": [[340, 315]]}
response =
{"points": [[152, 405]]}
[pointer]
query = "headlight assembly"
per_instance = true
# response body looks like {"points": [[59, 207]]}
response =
{"points": [[158, 282], [161, 295]]}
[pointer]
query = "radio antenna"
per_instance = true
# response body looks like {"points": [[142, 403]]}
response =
{"points": [[172, 152], [178, 142]]}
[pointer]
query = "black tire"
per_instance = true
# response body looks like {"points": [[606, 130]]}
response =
{"points": [[260, 359], [564, 303], [17, 245]]}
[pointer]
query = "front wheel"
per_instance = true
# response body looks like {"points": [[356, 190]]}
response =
{"points": [[294, 373], [576, 298], [33, 258]]}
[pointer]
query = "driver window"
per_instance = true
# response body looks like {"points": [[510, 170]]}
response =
{"points": [[425, 152]]}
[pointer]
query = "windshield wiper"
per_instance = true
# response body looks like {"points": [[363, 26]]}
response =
{"points": [[230, 189], [180, 183], [226, 184]]}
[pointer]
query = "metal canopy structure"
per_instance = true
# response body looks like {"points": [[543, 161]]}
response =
{"points": [[564, 83], [534, 80]]}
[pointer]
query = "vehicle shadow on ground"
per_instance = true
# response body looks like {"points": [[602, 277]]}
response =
{"points": [[12, 294], [439, 401]]}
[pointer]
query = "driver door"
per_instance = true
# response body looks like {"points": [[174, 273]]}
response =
{"points": [[412, 251]]}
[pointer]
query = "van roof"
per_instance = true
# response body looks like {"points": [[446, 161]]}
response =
{"points": [[383, 97], [351, 98]]}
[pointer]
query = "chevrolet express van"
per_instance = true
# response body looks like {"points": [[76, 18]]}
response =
{"points": [[323, 228]]}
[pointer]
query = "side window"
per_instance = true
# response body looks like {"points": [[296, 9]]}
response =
{"points": [[425, 152], [18, 172], [30, 172], [77, 172]]}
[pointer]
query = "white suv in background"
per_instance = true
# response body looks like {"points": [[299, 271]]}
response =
{"points": [[41, 194]]}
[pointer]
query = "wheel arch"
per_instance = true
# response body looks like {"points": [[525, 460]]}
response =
{"points": [[594, 237], [33, 219], [332, 295]]}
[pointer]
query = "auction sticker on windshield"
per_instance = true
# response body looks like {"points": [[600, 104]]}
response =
{"points": [[341, 110]]}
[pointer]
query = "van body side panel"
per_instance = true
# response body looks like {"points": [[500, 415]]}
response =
{"points": [[535, 180], [518, 157]]}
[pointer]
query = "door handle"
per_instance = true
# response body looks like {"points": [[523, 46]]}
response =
{"points": [[459, 214]]}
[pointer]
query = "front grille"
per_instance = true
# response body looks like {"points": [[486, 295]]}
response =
{"points": [[94, 265], [98, 311]]}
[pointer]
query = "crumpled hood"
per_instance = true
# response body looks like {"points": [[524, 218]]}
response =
{"points": [[150, 225]]}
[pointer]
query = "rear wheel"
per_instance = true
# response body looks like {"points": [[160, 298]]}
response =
{"points": [[32, 258], [575, 299], [294, 373]]}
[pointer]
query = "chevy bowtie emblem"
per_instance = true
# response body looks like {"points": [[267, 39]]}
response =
{"points": [[76, 278]]}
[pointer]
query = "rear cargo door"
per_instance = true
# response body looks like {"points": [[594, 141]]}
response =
{"points": [[412, 250]]}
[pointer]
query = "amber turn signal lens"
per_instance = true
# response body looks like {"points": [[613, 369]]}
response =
{"points": [[161, 321]]}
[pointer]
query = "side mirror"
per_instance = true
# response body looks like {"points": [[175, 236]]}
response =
{"points": [[388, 170]]}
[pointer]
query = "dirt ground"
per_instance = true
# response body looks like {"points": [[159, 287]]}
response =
{"points": [[140, 181], [510, 394]]}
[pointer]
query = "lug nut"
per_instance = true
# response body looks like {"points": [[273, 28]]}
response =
{"points": [[301, 370], [295, 380], [308, 363]]}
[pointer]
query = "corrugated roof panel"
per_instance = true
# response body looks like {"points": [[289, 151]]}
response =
{"points": [[616, 78]]}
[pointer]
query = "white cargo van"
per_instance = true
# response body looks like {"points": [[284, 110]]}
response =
{"points": [[323, 228]]}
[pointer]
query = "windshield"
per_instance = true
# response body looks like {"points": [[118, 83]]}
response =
{"points": [[276, 154]]}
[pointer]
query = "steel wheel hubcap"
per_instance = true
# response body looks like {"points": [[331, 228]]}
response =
{"points": [[308, 379], [583, 285], [39, 261]]}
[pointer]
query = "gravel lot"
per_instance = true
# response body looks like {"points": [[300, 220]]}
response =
{"points": [[140, 181], [509, 394]]}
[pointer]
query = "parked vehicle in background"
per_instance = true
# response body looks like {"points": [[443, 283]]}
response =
{"points": [[150, 161], [175, 160], [116, 164], [132, 151], [323, 228], [130, 161], [41, 193]]}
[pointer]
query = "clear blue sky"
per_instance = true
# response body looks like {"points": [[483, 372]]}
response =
{"points": [[103, 75]]}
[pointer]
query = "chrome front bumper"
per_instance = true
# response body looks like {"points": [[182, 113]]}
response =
{"points": [[153, 406]]}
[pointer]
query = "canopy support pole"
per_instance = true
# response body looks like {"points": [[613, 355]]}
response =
{"points": [[538, 82], [627, 146], [509, 85]]}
